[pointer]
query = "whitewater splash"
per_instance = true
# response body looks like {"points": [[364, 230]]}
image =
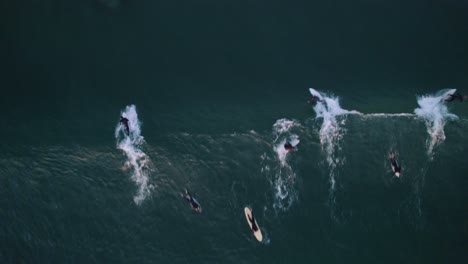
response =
{"points": [[137, 161], [433, 109], [328, 108], [284, 178], [282, 135]]}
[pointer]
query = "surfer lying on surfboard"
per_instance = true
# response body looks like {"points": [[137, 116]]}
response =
{"points": [[192, 201], [253, 224], [124, 122], [252, 221], [396, 169]]}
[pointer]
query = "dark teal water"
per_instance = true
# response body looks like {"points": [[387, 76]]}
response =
{"points": [[209, 80]]}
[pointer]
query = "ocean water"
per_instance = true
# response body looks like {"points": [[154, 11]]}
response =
{"points": [[212, 91]]}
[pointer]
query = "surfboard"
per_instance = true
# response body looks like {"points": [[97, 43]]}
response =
{"points": [[315, 93], [393, 169], [199, 206], [396, 173], [258, 233]]}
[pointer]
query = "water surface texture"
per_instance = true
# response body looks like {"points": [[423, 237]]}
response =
{"points": [[213, 90]]}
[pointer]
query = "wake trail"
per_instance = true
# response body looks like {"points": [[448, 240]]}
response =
{"points": [[388, 115], [331, 132], [137, 162]]}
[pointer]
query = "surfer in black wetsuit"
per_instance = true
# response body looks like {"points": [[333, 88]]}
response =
{"points": [[396, 169], [452, 97], [192, 202], [252, 221], [124, 122], [314, 99], [288, 146]]}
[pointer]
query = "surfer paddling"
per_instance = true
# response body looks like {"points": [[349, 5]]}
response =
{"points": [[252, 221], [124, 122], [396, 169], [288, 146], [193, 203], [253, 224]]}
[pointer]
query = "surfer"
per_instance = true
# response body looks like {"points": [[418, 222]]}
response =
{"points": [[454, 96], [288, 146], [396, 169], [124, 122], [192, 201], [314, 99], [252, 221]]}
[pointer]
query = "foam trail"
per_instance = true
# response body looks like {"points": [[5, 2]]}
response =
{"points": [[137, 160], [433, 109], [284, 176], [328, 109], [389, 115]]}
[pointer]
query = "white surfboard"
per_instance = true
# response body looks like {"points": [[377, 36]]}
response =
{"points": [[315, 93], [392, 156], [258, 233]]}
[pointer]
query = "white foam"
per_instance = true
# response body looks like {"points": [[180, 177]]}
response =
{"points": [[389, 115], [284, 177], [282, 126], [293, 139], [433, 109], [328, 108], [137, 160]]}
